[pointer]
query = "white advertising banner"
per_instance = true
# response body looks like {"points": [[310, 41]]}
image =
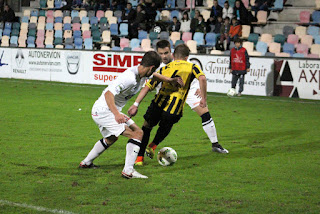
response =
{"points": [[259, 81], [300, 78], [5, 63]]}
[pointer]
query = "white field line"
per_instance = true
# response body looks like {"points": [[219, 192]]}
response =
{"points": [[37, 208], [210, 95]]}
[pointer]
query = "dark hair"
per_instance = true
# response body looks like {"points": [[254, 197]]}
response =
{"points": [[181, 51], [238, 40], [151, 58], [163, 44], [187, 19]]}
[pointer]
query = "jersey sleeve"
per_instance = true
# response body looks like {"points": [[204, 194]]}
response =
{"points": [[121, 84], [152, 83], [197, 71]]}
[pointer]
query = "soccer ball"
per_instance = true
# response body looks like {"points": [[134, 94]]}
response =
{"points": [[167, 156], [157, 29], [232, 92]]}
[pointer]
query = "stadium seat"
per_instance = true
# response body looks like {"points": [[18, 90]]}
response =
{"points": [[96, 36], [301, 31], [118, 15], [85, 27], [277, 5], [57, 20], [14, 41], [86, 34], [105, 48], [137, 49], [170, 4], [313, 30], [282, 54], [77, 34], [205, 14], [307, 40], [262, 47], [124, 29], [49, 34], [103, 27], [146, 44], [66, 13], [67, 26], [249, 46], [315, 56], [76, 20], [316, 17], [153, 35], [93, 20], [103, 20], [57, 13], [58, 34], [199, 38], [279, 38], [134, 2], [178, 42], [106, 37], [58, 41], [302, 48], [22, 43], [262, 17], [317, 4], [27, 13], [91, 13], [315, 49], [31, 42], [84, 20], [108, 14], [74, 13], [42, 13], [78, 43], [25, 19], [82, 14], [34, 19], [253, 37], [116, 48], [5, 41], [175, 36], [88, 44], [211, 39], [288, 48], [127, 49], [43, 3], [50, 20], [165, 15], [15, 32], [181, 3], [76, 26], [287, 30], [186, 36], [298, 55], [255, 53], [164, 35], [32, 32], [270, 54], [216, 52], [100, 14], [192, 46], [293, 39], [274, 47], [112, 20], [58, 26], [304, 17], [245, 31], [267, 38], [114, 29], [50, 13], [124, 42], [190, 3], [134, 43], [67, 34], [34, 13], [175, 13], [57, 3]]}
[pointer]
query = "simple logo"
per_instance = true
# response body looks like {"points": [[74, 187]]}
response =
{"points": [[73, 62], [2, 64], [237, 59], [19, 59]]}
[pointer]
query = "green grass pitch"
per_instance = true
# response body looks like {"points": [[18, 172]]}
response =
{"points": [[273, 165]]}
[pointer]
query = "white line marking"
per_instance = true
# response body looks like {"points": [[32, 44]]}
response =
{"points": [[296, 100], [38, 208]]}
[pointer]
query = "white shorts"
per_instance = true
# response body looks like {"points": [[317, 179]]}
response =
{"points": [[193, 100], [106, 122]]}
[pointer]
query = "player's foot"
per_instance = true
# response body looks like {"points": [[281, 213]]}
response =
{"points": [[133, 174], [216, 147], [150, 152], [82, 165], [139, 161], [239, 94]]}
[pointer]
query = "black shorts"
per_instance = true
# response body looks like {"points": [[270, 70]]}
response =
{"points": [[155, 115]]}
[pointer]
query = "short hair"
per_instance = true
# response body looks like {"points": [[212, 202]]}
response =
{"points": [[181, 51], [151, 58], [238, 40], [163, 44]]}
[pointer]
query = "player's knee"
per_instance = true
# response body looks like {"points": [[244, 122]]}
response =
{"points": [[138, 134]]}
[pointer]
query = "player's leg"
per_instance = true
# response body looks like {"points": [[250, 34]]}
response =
{"points": [[134, 133], [166, 123], [234, 80], [96, 151], [241, 83]]}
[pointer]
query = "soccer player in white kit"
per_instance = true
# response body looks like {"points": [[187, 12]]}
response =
{"points": [[106, 113], [193, 100]]}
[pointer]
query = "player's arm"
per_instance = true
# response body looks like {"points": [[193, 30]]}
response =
{"points": [[175, 81], [133, 110], [120, 118]]}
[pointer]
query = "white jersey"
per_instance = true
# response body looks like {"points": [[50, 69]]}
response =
{"points": [[123, 88]]}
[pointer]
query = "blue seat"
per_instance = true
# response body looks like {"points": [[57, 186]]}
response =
{"points": [[31, 42], [7, 32], [68, 46], [211, 39], [85, 20], [58, 20], [77, 34], [8, 25], [127, 49], [262, 47], [50, 46], [134, 43], [116, 48], [277, 5], [316, 17], [67, 26], [57, 3], [175, 13], [13, 41], [49, 26], [124, 29], [171, 3], [253, 37], [313, 30], [88, 44], [164, 35], [114, 29], [74, 13], [25, 19], [142, 35], [58, 34], [93, 20], [1, 32], [316, 39], [199, 38], [288, 48], [298, 55], [78, 43], [34, 13]]}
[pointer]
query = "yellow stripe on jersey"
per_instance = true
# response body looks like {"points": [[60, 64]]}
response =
{"points": [[172, 99]]}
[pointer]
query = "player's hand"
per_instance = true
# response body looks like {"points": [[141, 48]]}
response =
{"points": [[121, 118], [203, 103], [230, 71], [198, 93], [177, 82], [133, 110]]}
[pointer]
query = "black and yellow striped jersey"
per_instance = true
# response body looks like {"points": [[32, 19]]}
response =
{"points": [[172, 99]]}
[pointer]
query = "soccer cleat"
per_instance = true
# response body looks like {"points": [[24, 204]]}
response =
{"points": [[216, 147], [239, 94], [138, 163], [82, 165], [133, 174], [150, 152]]}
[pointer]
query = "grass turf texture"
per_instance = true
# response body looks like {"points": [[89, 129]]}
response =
{"points": [[273, 165]]}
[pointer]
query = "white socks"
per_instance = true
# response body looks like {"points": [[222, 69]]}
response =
{"points": [[97, 149], [210, 130], [133, 148]]}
